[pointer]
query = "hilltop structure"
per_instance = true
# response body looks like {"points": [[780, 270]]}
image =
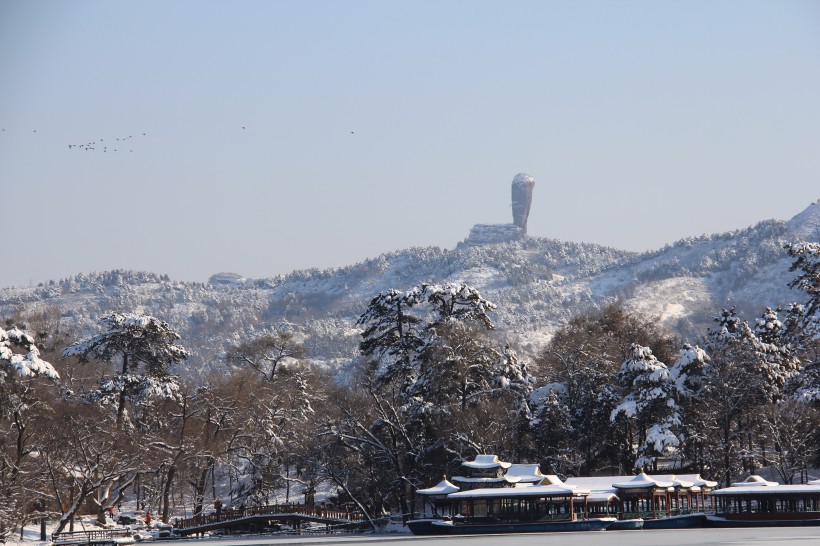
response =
{"points": [[480, 234], [522, 186]]}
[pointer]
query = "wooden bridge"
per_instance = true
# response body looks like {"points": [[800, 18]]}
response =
{"points": [[258, 517]]}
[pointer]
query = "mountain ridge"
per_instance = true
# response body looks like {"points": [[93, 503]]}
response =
{"points": [[538, 284]]}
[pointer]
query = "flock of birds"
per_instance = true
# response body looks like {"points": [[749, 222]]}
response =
{"points": [[115, 145], [112, 145]]}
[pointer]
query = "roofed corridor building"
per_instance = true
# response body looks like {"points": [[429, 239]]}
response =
{"points": [[494, 488]]}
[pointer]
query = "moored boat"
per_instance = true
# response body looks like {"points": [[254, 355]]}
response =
{"points": [[685, 521], [632, 524], [722, 521], [426, 526], [756, 502], [474, 528], [499, 497]]}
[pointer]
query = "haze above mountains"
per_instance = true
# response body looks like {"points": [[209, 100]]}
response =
{"points": [[537, 283]]}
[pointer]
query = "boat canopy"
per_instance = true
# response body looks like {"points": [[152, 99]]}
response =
{"points": [[754, 481], [486, 462], [444, 487], [642, 481], [537, 491]]}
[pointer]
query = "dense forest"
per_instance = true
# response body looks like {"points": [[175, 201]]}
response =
{"points": [[91, 421]]}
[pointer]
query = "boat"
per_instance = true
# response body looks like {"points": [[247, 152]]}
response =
{"points": [[426, 526], [683, 521], [499, 526], [499, 497], [722, 521], [631, 524], [756, 502], [524, 509]]}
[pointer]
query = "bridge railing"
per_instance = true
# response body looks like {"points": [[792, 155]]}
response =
{"points": [[86, 537], [273, 510]]}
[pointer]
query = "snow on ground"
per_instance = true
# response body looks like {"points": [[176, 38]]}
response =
{"points": [[673, 299]]}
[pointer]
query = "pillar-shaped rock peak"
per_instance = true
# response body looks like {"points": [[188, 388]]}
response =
{"points": [[522, 186]]}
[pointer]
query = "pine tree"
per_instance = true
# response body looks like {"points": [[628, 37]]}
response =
{"points": [[735, 388], [20, 365], [807, 261], [649, 405], [803, 321], [580, 364], [776, 359], [392, 335], [144, 347], [689, 375]]}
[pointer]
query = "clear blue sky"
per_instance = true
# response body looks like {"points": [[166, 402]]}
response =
{"points": [[285, 135]]}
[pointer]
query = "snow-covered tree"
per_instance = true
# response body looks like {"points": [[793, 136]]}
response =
{"points": [[688, 371], [20, 365], [803, 320], [89, 461], [649, 404], [460, 367], [145, 349], [790, 428], [580, 364], [392, 334], [435, 367], [776, 355], [19, 356], [457, 302], [398, 325], [555, 434], [278, 415], [689, 376], [807, 261], [266, 352], [735, 389]]}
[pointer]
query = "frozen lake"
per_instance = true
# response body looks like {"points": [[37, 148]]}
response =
{"points": [[771, 536]]}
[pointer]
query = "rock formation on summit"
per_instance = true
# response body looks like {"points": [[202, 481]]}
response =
{"points": [[481, 234], [522, 186]]}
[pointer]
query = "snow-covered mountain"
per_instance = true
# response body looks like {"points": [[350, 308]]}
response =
{"points": [[537, 283]]}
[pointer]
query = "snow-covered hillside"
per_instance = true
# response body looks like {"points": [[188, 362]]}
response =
{"points": [[537, 283]]}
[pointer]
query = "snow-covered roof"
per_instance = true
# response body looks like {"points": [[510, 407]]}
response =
{"points": [[677, 481], [754, 481], [642, 481], [525, 472], [696, 479], [602, 484], [531, 491], [502, 479], [486, 461], [596, 483], [736, 490], [443, 487], [602, 496], [552, 479]]}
